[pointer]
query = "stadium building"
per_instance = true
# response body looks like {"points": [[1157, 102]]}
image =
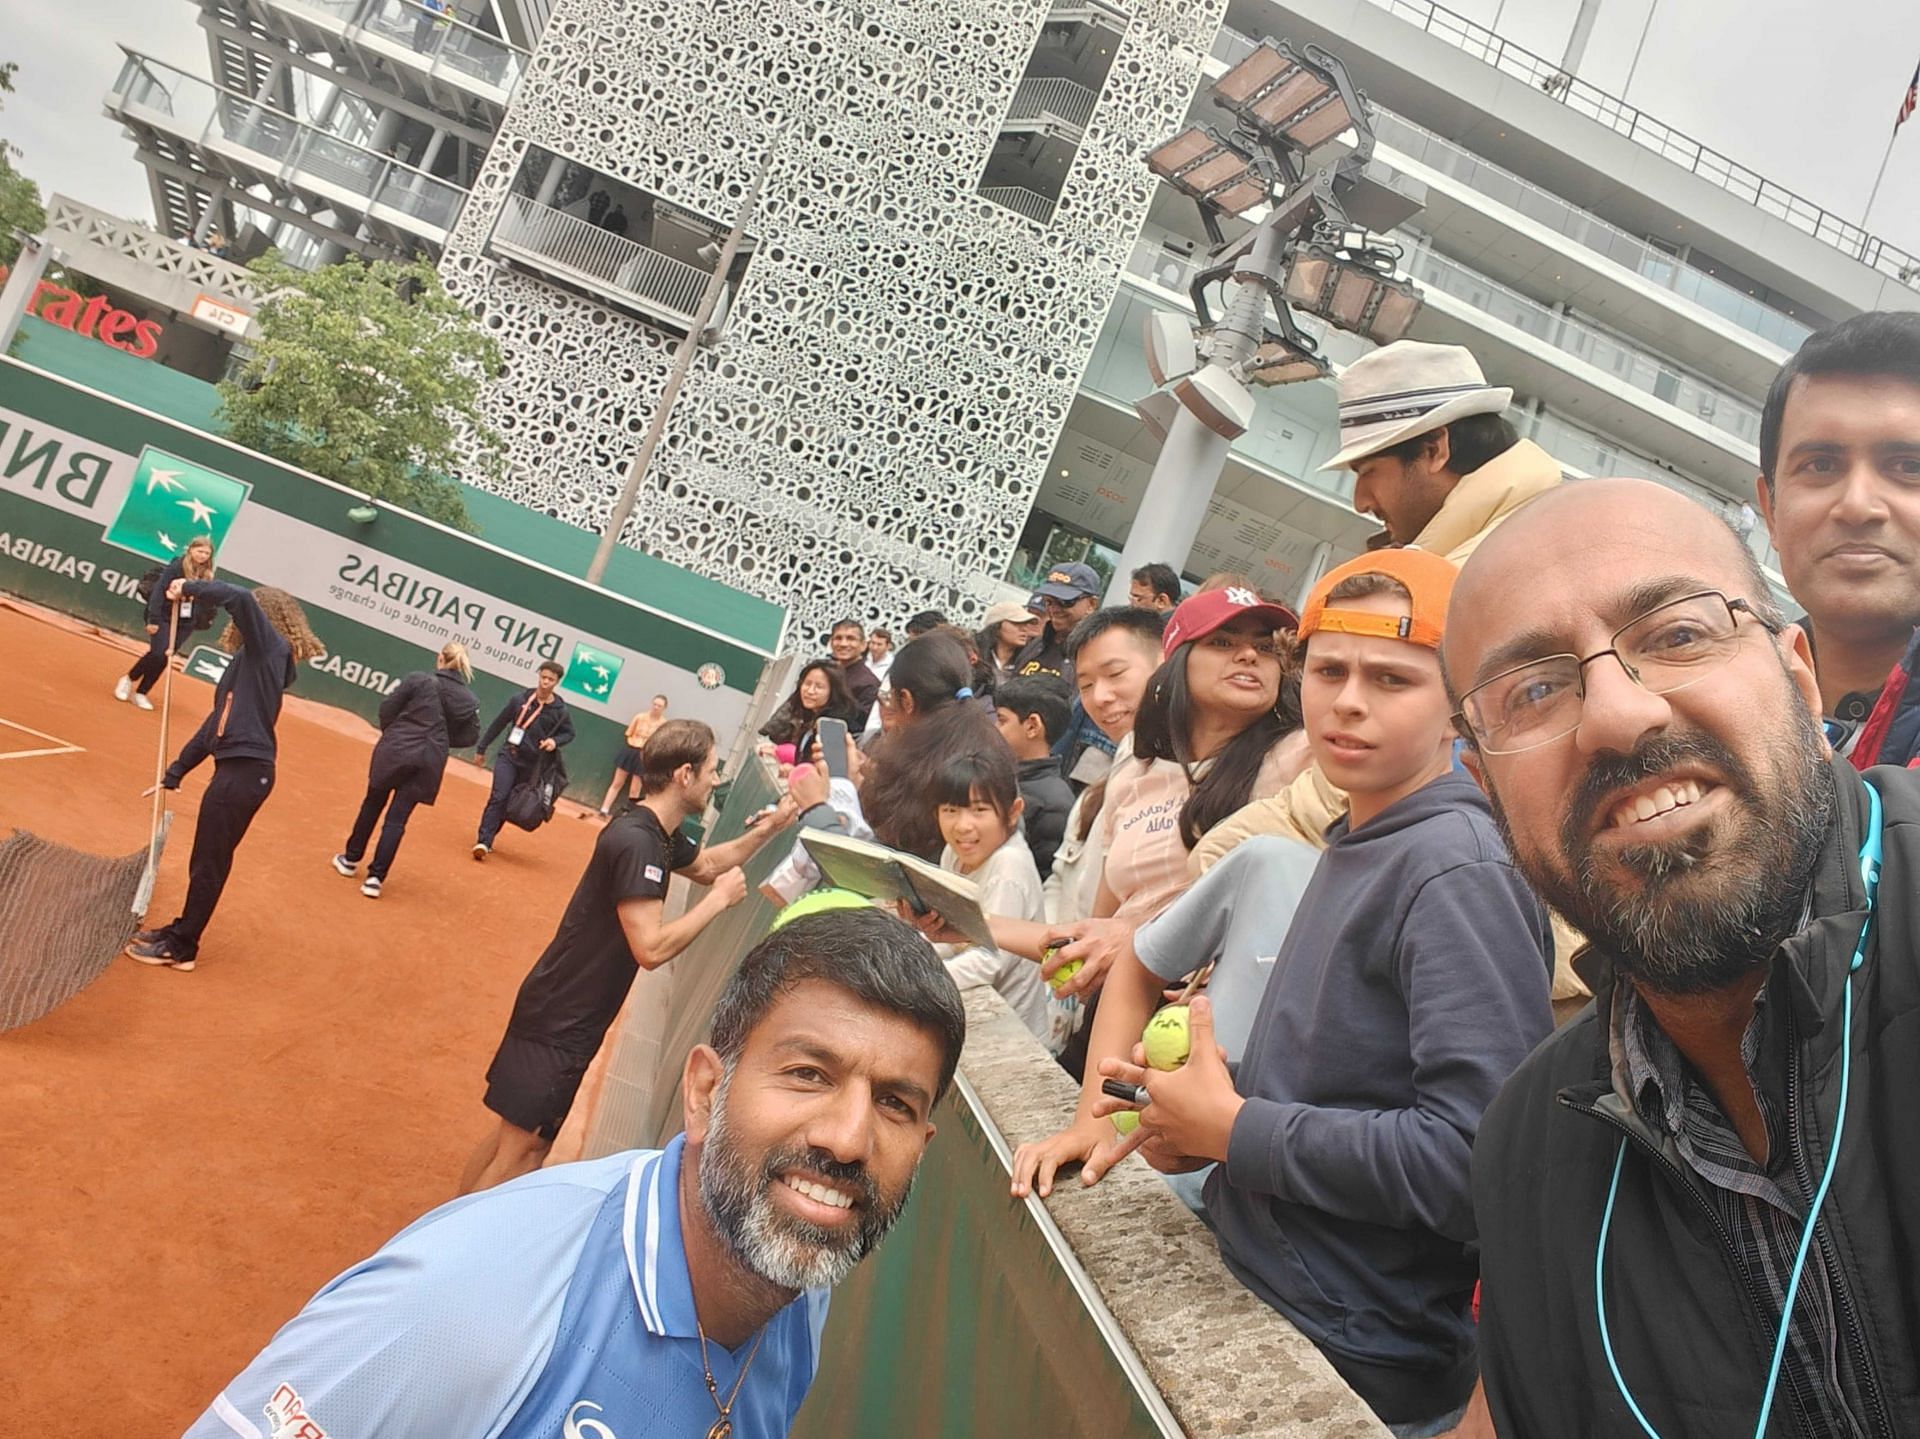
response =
{"points": [[920, 383]]}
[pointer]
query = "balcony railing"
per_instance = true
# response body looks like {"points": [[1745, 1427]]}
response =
{"points": [[1665, 141], [1064, 100], [440, 40], [571, 247], [1020, 200], [1646, 372], [1591, 232], [205, 116], [1586, 230]]}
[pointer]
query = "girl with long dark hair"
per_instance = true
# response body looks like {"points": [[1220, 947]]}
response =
{"points": [[820, 693], [931, 683]]}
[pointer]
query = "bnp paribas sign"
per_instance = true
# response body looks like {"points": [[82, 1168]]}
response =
{"points": [[170, 503]]}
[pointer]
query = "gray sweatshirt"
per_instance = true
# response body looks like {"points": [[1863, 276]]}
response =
{"points": [[1412, 981]]}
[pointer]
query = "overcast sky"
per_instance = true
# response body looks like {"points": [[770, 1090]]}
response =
{"points": [[1802, 91]]}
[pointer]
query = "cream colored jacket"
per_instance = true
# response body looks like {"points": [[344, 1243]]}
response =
{"points": [[1486, 497]]}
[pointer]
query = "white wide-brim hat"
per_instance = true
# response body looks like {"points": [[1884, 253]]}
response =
{"points": [[1406, 389]]}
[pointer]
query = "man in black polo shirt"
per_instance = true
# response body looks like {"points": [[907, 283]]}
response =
{"points": [[614, 921]]}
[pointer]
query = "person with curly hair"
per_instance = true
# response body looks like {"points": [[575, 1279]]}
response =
{"points": [[269, 639]]}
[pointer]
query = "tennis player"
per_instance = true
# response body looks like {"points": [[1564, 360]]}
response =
{"points": [[615, 923], [659, 1294]]}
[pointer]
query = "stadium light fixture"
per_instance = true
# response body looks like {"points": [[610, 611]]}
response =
{"points": [[1286, 96], [1156, 412], [1205, 166], [1284, 360], [1354, 288]]}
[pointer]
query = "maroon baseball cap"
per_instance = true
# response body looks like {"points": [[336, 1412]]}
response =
{"points": [[1202, 614]]}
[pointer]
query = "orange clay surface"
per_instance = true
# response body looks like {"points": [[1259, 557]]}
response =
{"points": [[186, 1158]]}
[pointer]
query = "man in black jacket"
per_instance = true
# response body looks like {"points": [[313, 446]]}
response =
{"points": [[536, 722], [1657, 1184], [269, 640]]}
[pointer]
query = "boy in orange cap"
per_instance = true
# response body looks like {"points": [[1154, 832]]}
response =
{"points": [[1411, 982]]}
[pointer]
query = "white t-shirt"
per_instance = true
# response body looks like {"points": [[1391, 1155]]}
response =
{"points": [[1009, 885]]}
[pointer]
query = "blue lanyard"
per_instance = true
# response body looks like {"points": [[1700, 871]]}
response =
{"points": [[1870, 851]]}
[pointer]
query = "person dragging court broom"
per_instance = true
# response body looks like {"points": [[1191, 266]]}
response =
{"points": [[429, 713], [269, 638]]}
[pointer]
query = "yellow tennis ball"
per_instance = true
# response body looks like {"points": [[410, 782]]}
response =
{"points": [[1126, 1120], [1065, 972], [1168, 1038]]}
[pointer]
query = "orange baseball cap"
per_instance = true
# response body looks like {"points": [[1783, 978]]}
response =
{"points": [[1428, 578]]}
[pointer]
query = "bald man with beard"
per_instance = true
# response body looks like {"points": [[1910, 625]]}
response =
{"points": [[1647, 730]]}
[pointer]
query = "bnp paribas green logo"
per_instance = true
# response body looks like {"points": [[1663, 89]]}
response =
{"points": [[591, 673], [172, 502]]}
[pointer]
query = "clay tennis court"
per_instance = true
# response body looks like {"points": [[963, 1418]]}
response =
{"points": [[187, 1157]]}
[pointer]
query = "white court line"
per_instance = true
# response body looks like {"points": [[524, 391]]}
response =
{"points": [[59, 746]]}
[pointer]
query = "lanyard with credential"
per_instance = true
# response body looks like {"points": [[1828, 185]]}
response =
{"points": [[1870, 850]]}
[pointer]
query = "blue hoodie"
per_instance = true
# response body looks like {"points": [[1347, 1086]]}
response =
{"points": [[1413, 980]]}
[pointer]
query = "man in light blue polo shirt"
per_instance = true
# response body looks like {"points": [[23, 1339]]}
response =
{"points": [[674, 1292]]}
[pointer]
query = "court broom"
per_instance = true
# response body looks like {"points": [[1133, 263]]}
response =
{"points": [[162, 819]]}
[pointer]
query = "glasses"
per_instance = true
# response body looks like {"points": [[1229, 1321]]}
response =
{"points": [[1666, 649], [1226, 642]]}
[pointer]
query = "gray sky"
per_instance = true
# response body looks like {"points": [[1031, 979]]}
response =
{"points": [[1803, 91]]}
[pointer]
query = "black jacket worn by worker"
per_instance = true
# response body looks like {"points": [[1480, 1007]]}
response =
{"points": [[553, 721], [160, 608], [1691, 1341], [429, 713], [1047, 798], [246, 701]]}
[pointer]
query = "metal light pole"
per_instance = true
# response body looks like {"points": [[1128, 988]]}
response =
{"points": [[29, 266], [1194, 456], [1305, 253], [677, 375]]}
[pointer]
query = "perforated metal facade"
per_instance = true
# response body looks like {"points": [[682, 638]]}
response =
{"points": [[899, 361]]}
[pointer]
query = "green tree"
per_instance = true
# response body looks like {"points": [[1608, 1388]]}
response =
{"points": [[365, 374], [20, 209]]}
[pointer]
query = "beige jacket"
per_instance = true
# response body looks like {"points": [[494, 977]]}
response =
{"points": [[1486, 497], [1305, 809]]}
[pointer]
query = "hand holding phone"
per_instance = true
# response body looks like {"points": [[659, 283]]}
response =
{"points": [[833, 747]]}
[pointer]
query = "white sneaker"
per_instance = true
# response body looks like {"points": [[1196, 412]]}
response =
{"points": [[481, 851], [141, 702], [123, 688], [341, 865], [370, 887]]}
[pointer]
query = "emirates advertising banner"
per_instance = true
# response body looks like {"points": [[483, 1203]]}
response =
{"points": [[93, 494]]}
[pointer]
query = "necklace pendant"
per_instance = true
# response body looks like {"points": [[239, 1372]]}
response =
{"points": [[722, 1428]]}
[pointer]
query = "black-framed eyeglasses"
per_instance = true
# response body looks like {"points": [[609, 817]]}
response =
{"points": [[1671, 646]]}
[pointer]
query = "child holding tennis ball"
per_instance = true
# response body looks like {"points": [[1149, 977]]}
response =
{"points": [[1411, 982], [978, 806]]}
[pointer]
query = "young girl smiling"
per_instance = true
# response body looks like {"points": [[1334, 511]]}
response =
{"points": [[979, 808]]}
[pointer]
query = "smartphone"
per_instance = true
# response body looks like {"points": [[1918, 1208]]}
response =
{"points": [[832, 735]]}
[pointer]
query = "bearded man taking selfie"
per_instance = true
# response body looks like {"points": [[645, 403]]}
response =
{"points": [[1725, 1136]]}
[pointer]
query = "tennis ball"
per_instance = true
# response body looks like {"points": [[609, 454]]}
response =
{"points": [[1065, 972], [819, 901], [1126, 1120], [1168, 1038]]}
